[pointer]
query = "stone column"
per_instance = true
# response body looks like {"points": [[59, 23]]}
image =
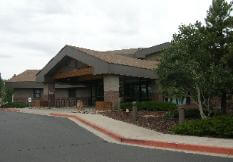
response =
{"points": [[45, 92], [49, 94], [111, 90]]}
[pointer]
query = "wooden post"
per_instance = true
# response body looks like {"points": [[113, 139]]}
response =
{"points": [[134, 111], [181, 115]]}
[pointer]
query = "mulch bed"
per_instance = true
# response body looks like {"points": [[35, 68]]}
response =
{"points": [[147, 119]]}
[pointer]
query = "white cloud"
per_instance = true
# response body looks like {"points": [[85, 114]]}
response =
{"points": [[32, 32]]}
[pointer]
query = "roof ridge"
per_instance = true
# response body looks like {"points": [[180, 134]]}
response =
{"points": [[119, 59]]}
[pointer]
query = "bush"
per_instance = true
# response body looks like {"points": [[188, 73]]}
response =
{"points": [[126, 105], [15, 105], [189, 114], [150, 106], [221, 126], [194, 113]]}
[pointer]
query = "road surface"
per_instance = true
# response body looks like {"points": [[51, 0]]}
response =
{"points": [[36, 138]]}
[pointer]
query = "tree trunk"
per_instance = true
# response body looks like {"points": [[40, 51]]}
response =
{"points": [[203, 116], [224, 103]]}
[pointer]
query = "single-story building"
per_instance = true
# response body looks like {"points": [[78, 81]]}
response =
{"points": [[91, 76]]}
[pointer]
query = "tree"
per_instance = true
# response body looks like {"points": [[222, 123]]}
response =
{"points": [[5, 92], [1, 90], [197, 62], [219, 28], [184, 66]]}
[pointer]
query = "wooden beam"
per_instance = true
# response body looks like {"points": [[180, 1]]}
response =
{"points": [[74, 73]]}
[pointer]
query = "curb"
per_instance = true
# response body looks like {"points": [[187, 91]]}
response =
{"points": [[9, 110], [152, 143]]}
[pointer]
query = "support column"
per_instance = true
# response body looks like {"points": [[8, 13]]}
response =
{"points": [[111, 90], [49, 94]]}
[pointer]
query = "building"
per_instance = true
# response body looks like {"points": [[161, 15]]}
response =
{"points": [[91, 76]]}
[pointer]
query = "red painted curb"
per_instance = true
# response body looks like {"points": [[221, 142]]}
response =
{"points": [[106, 132], [161, 144]]}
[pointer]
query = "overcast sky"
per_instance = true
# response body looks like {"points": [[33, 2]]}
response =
{"points": [[33, 31]]}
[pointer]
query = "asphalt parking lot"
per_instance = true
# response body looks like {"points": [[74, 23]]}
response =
{"points": [[36, 138]]}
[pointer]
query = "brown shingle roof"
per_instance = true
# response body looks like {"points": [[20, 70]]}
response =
{"points": [[26, 76], [143, 52], [115, 57]]}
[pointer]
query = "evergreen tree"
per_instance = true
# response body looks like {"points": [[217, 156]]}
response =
{"points": [[199, 61], [219, 28]]}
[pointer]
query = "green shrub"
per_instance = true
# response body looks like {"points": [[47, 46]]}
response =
{"points": [[150, 106], [193, 113], [126, 105], [221, 126], [189, 114], [15, 105], [171, 114]]}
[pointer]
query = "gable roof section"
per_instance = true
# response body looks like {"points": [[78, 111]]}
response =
{"points": [[104, 62], [26, 79], [144, 52], [26, 76], [112, 58]]}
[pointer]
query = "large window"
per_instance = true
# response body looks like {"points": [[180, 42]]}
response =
{"points": [[37, 93], [99, 92], [137, 90]]}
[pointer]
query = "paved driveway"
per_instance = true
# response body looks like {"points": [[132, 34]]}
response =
{"points": [[35, 138]]}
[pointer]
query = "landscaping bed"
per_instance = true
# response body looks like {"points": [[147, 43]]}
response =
{"points": [[155, 120]]}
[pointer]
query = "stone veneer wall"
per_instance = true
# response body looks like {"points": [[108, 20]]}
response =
{"points": [[49, 94], [111, 90]]}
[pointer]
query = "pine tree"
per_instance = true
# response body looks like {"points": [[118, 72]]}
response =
{"points": [[219, 28]]}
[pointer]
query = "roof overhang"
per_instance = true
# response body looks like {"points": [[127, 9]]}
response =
{"points": [[26, 84], [99, 66]]}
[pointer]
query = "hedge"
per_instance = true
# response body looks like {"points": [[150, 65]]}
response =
{"points": [[195, 113], [221, 126], [150, 106], [15, 105]]}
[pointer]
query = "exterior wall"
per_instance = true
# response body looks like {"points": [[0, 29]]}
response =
{"points": [[61, 93], [111, 90], [80, 92], [83, 92], [21, 95]]}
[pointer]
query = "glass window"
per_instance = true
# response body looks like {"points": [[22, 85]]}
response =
{"points": [[37, 93]]}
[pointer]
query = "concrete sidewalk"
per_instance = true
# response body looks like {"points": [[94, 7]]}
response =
{"points": [[132, 134]]}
